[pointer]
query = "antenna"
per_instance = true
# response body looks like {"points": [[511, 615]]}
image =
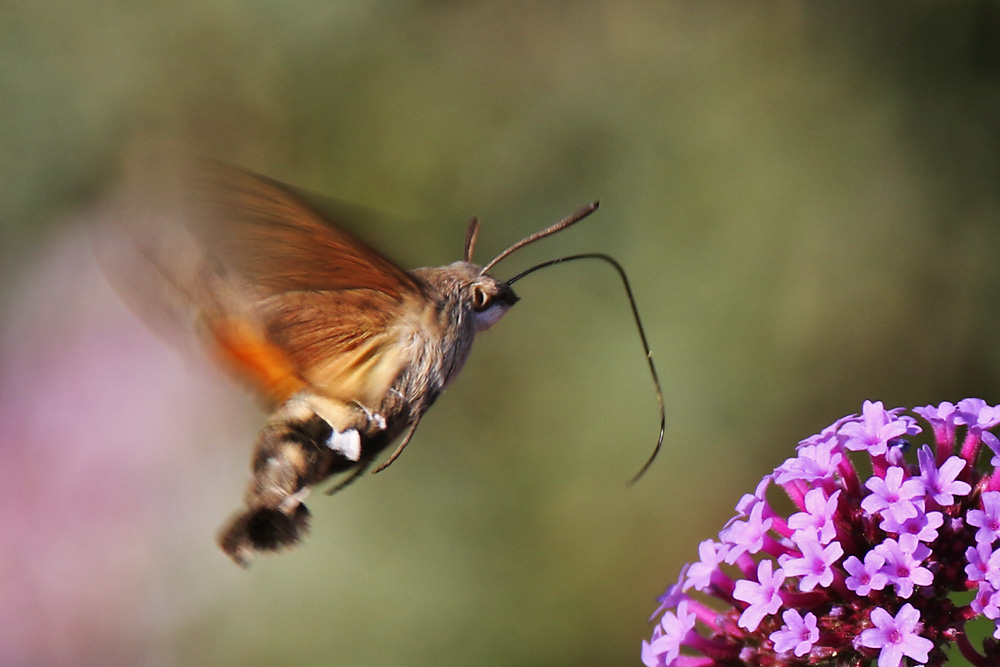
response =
{"points": [[548, 231], [471, 234]]}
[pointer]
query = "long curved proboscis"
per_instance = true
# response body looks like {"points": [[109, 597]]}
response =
{"points": [[642, 335]]}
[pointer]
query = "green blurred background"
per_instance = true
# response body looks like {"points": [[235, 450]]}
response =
{"points": [[806, 196]]}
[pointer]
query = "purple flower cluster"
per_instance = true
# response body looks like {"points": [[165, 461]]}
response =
{"points": [[886, 566]]}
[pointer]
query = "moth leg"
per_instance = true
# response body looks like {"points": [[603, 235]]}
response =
{"points": [[373, 417], [342, 416], [293, 501], [402, 445], [357, 472]]}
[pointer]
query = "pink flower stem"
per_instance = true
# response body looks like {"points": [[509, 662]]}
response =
{"points": [[971, 446], [969, 652]]}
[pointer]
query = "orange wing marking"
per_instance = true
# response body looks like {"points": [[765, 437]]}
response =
{"points": [[251, 356]]}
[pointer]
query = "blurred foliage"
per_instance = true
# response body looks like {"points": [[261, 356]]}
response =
{"points": [[805, 194]]}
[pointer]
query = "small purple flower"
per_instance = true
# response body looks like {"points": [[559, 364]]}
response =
{"points": [[942, 421], [977, 414], [747, 502], [984, 564], [649, 656], [896, 636], [941, 483], [893, 496], [813, 589], [868, 576], [815, 566], [762, 595], [815, 462], [921, 528], [676, 627], [798, 634], [877, 427], [987, 520], [987, 602], [747, 536], [904, 567], [699, 575], [818, 517]]}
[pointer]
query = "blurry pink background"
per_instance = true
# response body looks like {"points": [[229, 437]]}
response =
{"points": [[115, 456]]}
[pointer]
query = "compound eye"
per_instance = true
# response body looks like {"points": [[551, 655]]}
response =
{"points": [[480, 299]]}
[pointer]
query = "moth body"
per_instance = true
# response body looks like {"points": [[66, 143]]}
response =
{"points": [[322, 431]]}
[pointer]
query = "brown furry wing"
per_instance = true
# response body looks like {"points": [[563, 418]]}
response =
{"points": [[330, 304], [348, 344], [281, 297], [267, 232]]}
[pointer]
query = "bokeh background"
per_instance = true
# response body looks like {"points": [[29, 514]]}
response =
{"points": [[806, 196]]}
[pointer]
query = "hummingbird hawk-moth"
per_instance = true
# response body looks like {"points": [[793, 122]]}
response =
{"points": [[346, 349]]}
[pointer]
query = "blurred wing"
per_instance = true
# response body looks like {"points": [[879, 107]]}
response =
{"points": [[275, 293], [265, 231]]}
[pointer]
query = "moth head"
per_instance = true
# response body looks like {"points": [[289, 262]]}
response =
{"points": [[463, 287], [490, 300]]}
